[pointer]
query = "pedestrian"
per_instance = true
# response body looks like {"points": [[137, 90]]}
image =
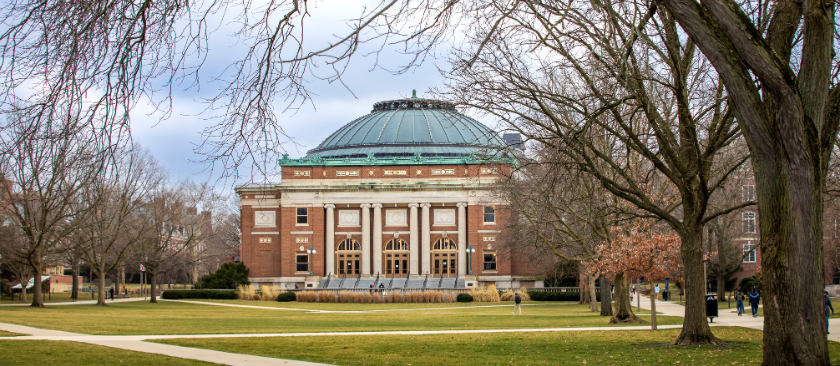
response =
{"points": [[632, 289], [516, 306], [755, 297], [656, 292], [739, 302], [827, 306], [112, 293]]}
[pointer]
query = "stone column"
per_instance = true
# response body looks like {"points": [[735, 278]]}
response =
{"points": [[329, 243], [425, 244], [365, 239], [462, 239], [412, 240], [377, 238]]}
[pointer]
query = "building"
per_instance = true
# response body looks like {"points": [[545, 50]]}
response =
{"points": [[402, 197]]}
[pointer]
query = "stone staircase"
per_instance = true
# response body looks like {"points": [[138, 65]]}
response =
{"points": [[460, 283], [398, 283], [415, 283], [448, 282]]}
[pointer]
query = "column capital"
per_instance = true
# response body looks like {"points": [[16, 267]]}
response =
{"points": [[329, 205], [425, 204], [365, 205], [376, 205], [413, 205], [461, 204]]}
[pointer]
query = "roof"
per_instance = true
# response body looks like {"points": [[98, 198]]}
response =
{"points": [[426, 131]]}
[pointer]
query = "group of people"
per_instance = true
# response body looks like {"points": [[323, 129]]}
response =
{"points": [[755, 299]]}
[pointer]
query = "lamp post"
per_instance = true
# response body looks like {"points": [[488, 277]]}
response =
{"points": [[311, 252], [470, 251]]}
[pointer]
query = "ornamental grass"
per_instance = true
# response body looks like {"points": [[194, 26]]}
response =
{"points": [[509, 294], [248, 292], [365, 297], [485, 294], [269, 293]]}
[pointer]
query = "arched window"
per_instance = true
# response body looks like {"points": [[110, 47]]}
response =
{"points": [[445, 244], [396, 244], [349, 244]]}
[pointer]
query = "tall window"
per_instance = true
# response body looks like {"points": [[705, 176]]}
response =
{"points": [[302, 216], [348, 254], [489, 261], [489, 214], [445, 244], [749, 222], [748, 192], [749, 258], [302, 263]]}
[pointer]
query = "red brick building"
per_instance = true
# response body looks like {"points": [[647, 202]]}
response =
{"points": [[400, 197]]}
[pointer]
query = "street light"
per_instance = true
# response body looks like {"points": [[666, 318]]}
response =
{"points": [[311, 252], [470, 251]]}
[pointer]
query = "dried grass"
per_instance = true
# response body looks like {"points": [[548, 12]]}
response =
{"points": [[485, 294], [247, 292], [269, 293]]}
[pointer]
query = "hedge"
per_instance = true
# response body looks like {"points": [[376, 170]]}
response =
{"points": [[286, 297], [557, 296], [199, 294], [465, 298]]}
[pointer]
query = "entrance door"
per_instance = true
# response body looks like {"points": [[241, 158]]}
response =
{"points": [[444, 258], [396, 258], [348, 254]]}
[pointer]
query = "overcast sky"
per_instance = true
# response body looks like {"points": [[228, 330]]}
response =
{"points": [[172, 140]]}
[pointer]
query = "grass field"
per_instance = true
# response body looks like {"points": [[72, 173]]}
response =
{"points": [[62, 353], [181, 318], [4, 333], [536, 348]]}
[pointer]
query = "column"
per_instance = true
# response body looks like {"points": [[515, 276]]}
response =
{"points": [[377, 238], [365, 239], [425, 244], [462, 239], [412, 240], [329, 243]]}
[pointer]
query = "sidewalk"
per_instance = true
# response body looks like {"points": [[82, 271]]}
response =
{"points": [[729, 317], [82, 302]]}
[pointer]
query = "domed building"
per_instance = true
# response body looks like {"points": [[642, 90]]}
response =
{"points": [[400, 197]]}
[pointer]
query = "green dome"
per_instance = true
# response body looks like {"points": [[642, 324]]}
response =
{"points": [[408, 127]]}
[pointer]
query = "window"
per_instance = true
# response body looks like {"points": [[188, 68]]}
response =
{"points": [[489, 214], [396, 244], [748, 192], [749, 258], [489, 261], [445, 244], [302, 263], [349, 244], [302, 216], [749, 222]]}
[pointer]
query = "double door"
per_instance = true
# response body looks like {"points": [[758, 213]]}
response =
{"points": [[444, 264], [348, 263], [396, 264]]}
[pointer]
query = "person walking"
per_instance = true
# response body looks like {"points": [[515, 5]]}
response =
{"points": [[827, 306], [656, 292], [755, 297], [516, 304], [112, 293], [739, 302]]}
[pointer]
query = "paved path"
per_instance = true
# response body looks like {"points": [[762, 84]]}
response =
{"points": [[135, 343], [729, 317], [82, 302]]}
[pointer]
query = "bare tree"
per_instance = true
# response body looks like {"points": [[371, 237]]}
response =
{"points": [[13, 254]]}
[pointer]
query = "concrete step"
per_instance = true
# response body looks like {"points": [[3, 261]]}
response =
{"points": [[448, 282], [415, 283], [460, 283], [365, 283], [398, 283]]}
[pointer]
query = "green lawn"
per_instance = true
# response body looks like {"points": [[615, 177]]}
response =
{"points": [[181, 318], [535, 348], [64, 353], [4, 333]]}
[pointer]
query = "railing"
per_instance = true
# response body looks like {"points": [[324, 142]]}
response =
{"points": [[359, 278], [327, 282], [426, 281], [556, 289]]}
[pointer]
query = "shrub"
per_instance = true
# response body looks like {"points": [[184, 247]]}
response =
{"points": [[485, 294], [247, 292], [199, 294], [229, 276], [269, 293], [465, 298], [557, 296], [286, 297]]}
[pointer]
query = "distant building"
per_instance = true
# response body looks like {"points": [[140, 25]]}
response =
{"points": [[400, 197], [514, 140]]}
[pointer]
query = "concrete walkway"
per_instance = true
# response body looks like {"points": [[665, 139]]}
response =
{"points": [[729, 317], [82, 302], [135, 343]]}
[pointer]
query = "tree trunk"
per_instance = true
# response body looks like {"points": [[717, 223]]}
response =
{"points": [[153, 287], [695, 329], [593, 296], [606, 299], [584, 284], [74, 292], [623, 310], [101, 298], [37, 296], [652, 311], [721, 288], [23, 283]]}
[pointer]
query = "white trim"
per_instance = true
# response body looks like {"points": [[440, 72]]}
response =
{"points": [[348, 232], [489, 231], [301, 232], [447, 232], [265, 233]]}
